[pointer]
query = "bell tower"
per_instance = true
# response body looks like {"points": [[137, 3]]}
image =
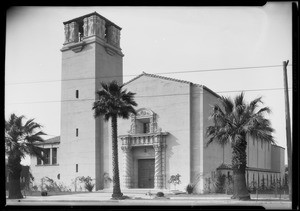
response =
{"points": [[91, 54]]}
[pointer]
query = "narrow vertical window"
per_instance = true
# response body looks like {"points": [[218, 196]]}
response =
{"points": [[39, 161], [146, 127], [47, 156], [76, 132], [54, 155], [76, 167], [77, 93]]}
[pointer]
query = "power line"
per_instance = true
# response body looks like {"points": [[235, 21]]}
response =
{"points": [[165, 95], [158, 73]]}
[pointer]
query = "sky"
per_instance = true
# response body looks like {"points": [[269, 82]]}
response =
{"points": [[206, 45]]}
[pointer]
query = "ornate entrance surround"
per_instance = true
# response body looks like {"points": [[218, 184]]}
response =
{"points": [[155, 138]]}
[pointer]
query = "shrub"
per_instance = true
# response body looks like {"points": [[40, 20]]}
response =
{"points": [[220, 183], [190, 188], [160, 194], [107, 179], [88, 185], [175, 180], [49, 184], [34, 188], [44, 193]]}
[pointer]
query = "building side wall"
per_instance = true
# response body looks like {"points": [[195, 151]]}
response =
{"points": [[258, 153], [76, 113], [41, 171], [170, 100], [213, 153], [282, 163], [196, 134], [277, 163]]}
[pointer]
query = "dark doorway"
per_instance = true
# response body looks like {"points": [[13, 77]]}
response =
{"points": [[146, 173]]}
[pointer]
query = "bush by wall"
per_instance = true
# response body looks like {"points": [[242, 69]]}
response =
{"points": [[88, 185]]}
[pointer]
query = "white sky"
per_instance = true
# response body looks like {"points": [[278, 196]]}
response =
{"points": [[154, 40]]}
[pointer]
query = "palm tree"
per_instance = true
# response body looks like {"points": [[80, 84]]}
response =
{"points": [[20, 139], [114, 103], [233, 123]]}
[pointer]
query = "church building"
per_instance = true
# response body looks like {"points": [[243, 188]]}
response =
{"points": [[166, 137]]}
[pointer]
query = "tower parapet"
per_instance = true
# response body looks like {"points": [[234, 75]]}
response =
{"points": [[92, 25]]}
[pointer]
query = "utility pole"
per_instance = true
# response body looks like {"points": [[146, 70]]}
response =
{"points": [[288, 127]]}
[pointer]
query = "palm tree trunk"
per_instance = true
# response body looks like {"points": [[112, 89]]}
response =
{"points": [[115, 164], [14, 186], [239, 162]]}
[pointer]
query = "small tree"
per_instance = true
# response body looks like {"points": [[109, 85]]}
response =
{"points": [[20, 140], [88, 185], [175, 180], [219, 184], [107, 179]]}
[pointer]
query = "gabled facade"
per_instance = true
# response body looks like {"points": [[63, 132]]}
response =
{"points": [[165, 138]]}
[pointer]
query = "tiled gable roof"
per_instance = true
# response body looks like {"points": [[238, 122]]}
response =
{"points": [[161, 77], [171, 79], [53, 140]]}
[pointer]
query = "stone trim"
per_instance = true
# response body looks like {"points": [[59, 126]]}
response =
{"points": [[92, 25], [158, 141]]}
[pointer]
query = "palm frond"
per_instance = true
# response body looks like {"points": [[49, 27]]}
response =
{"points": [[239, 99], [227, 104], [254, 104], [264, 110], [113, 101]]}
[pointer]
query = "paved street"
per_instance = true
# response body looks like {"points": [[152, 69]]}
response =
{"points": [[139, 199]]}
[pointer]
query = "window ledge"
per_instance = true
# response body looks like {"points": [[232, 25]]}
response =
{"points": [[48, 165]]}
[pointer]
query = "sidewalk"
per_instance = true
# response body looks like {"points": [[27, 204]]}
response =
{"points": [[104, 199]]}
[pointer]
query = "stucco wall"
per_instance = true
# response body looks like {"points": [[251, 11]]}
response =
{"points": [[91, 149], [170, 100], [258, 154], [196, 134], [77, 113], [213, 154], [40, 171], [277, 162]]}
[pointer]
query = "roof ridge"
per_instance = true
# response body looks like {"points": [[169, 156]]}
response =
{"points": [[162, 77], [172, 79]]}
